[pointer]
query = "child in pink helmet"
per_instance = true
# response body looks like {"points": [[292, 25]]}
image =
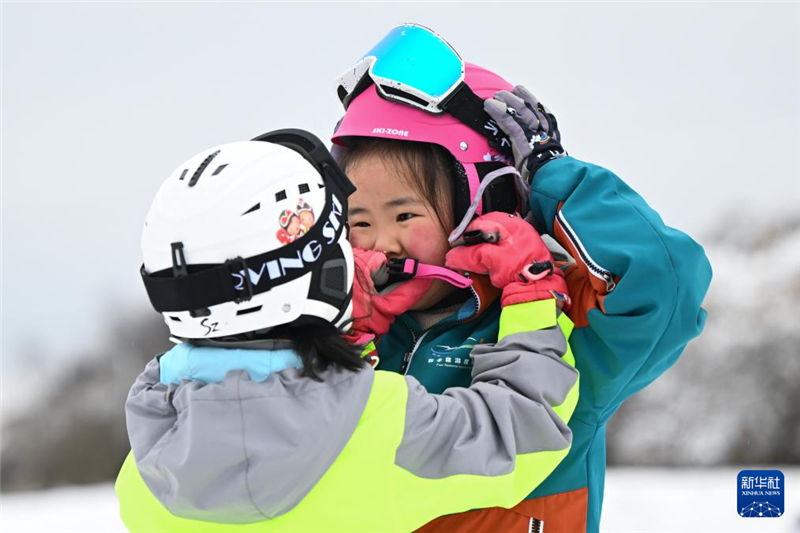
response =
{"points": [[636, 284]]}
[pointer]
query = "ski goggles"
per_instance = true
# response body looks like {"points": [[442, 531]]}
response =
{"points": [[411, 64]]}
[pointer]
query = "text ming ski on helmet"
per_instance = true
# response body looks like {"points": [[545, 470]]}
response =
{"points": [[309, 254]]}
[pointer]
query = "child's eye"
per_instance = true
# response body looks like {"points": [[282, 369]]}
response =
{"points": [[360, 225], [405, 216]]}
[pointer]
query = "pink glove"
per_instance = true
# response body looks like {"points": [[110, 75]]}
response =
{"points": [[513, 254], [374, 312]]}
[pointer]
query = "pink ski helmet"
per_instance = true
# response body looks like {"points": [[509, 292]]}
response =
{"points": [[370, 115]]}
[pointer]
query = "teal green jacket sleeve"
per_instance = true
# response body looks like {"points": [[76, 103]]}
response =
{"points": [[637, 284]]}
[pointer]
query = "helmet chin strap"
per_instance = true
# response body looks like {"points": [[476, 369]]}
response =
{"points": [[522, 189], [405, 269], [444, 274]]}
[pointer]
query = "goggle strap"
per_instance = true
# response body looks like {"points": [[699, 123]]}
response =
{"points": [[187, 287], [360, 87], [208, 285], [467, 107]]}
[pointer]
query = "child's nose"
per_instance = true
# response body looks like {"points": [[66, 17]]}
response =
{"points": [[391, 247]]}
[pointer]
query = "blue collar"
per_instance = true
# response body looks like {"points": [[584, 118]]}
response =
{"points": [[211, 364]]}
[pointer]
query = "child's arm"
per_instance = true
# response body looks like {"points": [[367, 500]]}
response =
{"points": [[508, 431], [637, 284], [493, 443]]}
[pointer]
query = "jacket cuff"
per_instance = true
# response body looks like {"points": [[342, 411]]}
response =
{"points": [[528, 316]]}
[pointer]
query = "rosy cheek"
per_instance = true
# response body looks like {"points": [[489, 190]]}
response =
{"points": [[358, 240], [428, 245]]}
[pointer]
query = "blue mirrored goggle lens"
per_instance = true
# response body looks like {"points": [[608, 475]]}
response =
{"points": [[417, 58]]}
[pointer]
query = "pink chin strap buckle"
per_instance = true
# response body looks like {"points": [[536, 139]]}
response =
{"points": [[405, 269]]}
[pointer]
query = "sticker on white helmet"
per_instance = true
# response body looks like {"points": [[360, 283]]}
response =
{"points": [[295, 223]]}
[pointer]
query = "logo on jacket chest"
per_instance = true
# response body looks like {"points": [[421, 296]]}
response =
{"points": [[457, 357]]}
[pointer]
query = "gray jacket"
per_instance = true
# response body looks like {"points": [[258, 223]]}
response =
{"points": [[241, 451]]}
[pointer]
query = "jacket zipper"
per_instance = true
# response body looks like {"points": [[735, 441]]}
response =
{"points": [[407, 355], [595, 269], [410, 355]]}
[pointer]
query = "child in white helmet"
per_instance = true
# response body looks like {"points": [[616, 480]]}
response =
{"points": [[264, 418]]}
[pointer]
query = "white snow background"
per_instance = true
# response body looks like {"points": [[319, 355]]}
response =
{"points": [[637, 500]]}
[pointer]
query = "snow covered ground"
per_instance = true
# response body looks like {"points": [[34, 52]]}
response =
{"points": [[637, 500], [689, 500]]}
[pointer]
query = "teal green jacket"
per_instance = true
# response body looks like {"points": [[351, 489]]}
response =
{"points": [[637, 286]]}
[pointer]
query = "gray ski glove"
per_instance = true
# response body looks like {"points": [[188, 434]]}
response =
{"points": [[531, 128]]}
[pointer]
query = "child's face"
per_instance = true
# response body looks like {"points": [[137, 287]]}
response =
{"points": [[387, 214]]}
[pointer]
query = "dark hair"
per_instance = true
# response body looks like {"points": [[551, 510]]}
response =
{"points": [[428, 168], [317, 342], [319, 345]]}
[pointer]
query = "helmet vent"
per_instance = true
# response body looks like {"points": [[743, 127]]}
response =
{"points": [[203, 311], [280, 195], [219, 169], [201, 168], [248, 311], [183, 174], [254, 208], [303, 188]]}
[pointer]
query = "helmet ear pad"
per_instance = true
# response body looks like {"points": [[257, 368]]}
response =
{"points": [[501, 195], [329, 281]]}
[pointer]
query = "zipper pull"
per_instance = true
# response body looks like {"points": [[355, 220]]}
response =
{"points": [[610, 284]]}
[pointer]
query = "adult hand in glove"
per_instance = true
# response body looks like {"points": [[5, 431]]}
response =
{"points": [[374, 310], [514, 256], [531, 128]]}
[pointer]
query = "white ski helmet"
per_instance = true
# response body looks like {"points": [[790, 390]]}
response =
{"points": [[250, 235]]}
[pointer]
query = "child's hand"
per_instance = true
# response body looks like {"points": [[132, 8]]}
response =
{"points": [[514, 256], [531, 128], [373, 311]]}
